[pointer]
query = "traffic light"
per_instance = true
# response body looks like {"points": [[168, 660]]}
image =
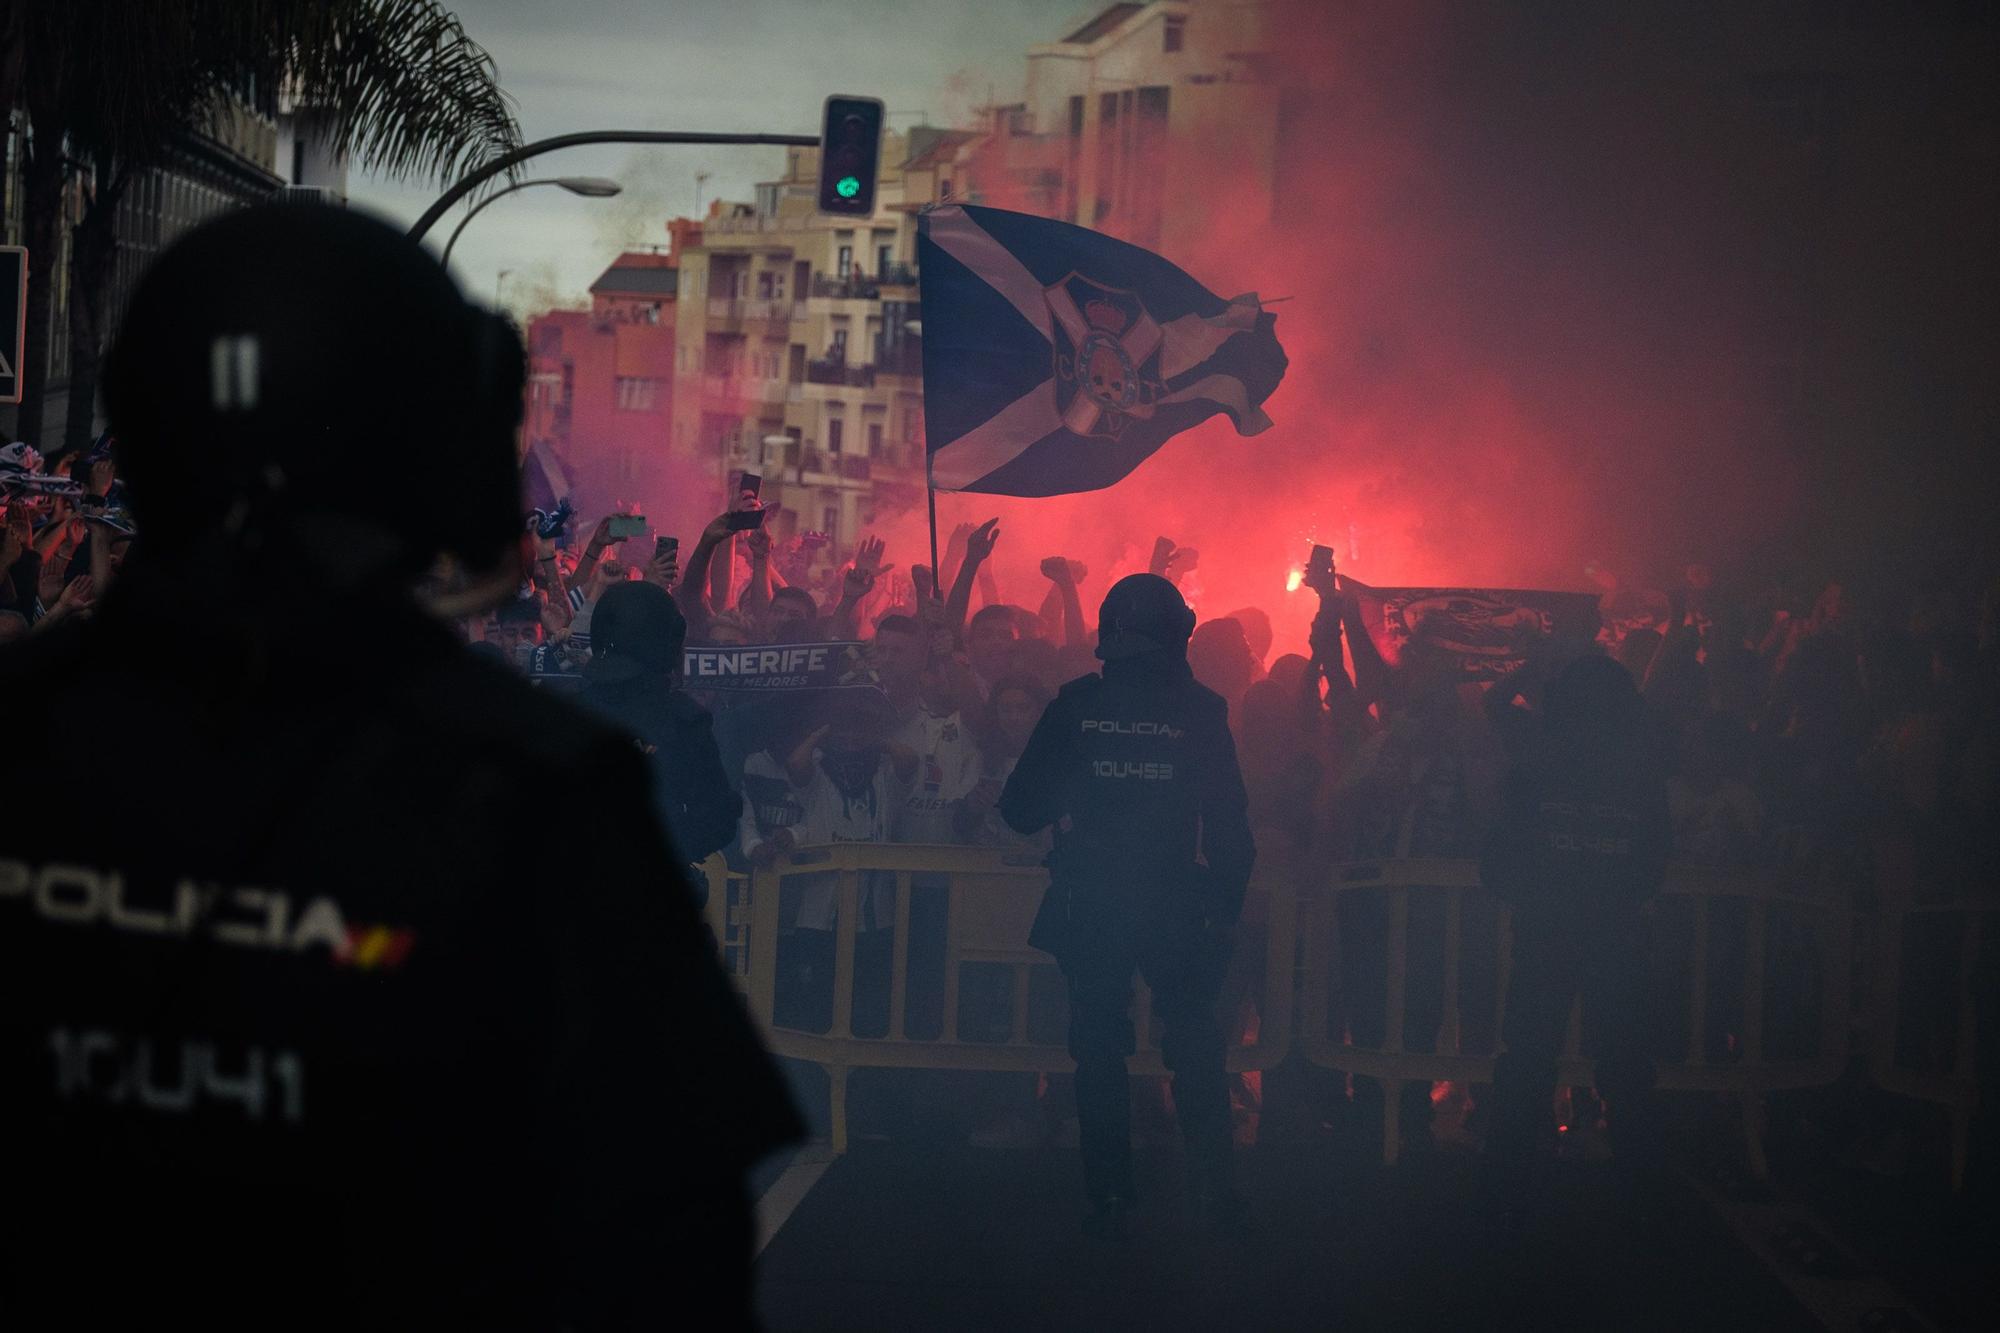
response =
{"points": [[850, 154]]}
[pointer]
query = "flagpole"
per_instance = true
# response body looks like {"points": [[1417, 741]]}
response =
{"points": [[930, 491]]}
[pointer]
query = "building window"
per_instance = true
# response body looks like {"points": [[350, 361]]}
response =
{"points": [[884, 257], [836, 430], [843, 262], [874, 439], [1173, 34], [636, 394], [837, 353]]}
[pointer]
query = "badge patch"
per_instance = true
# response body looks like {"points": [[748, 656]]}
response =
{"points": [[1107, 357]]}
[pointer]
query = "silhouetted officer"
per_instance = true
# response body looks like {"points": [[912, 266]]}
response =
{"points": [[1580, 846], [1137, 771], [637, 633], [337, 985]]}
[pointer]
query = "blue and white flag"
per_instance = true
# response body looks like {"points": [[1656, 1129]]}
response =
{"points": [[1057, 359]]}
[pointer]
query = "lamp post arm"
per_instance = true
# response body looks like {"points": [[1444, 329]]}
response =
{"points": [[473, 212], [508, 161]]}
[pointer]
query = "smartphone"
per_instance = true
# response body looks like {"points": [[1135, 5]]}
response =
{"points": [[623, 526], [750, 482], [662, 545], [1321, 563], [742, 520]]}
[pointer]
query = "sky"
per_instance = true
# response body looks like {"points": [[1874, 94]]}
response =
{"points": [[747, 66]]}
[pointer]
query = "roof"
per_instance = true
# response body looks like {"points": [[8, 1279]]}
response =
{"points": [[929, 146], [625, 281], [1103, 23]]}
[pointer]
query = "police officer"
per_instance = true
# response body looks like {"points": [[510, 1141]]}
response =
{"points": [[337, 987], [1580, 847], [1136, 770], [637, 633]]}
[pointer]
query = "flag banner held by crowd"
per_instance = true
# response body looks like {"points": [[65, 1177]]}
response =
{"points": [[778, 666], [1486, 631], [1057, 359]]}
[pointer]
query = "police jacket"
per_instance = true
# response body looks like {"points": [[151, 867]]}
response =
{"points": [[696, 801], [1136, 769], [338, 997], [1579, 826]]}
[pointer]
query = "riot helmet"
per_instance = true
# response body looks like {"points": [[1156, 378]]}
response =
{"points": [[287, 364], [1143, 613]]}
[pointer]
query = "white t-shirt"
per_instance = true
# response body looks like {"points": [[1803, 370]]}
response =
{"points": [[948, 767], [829, 816]]}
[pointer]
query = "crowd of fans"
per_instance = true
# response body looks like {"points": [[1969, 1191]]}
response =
{"points": [[1843, 741]]}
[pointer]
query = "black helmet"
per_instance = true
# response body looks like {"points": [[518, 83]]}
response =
{"points": [[1143, 613], [304, 359], [636, 630]]}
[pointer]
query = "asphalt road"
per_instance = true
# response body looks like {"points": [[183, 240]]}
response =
{"points": [[911, 1236]]}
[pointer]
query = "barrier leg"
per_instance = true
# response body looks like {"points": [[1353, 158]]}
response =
{"points": [[1754, 1120], [836, 1089], [1392, 1120]]}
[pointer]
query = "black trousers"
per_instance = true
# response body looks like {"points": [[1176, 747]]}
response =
{"points": [[1185, 968], [1562, 949]]}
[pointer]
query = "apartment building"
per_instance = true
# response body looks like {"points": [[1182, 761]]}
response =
{"points": [[796, 350], [797, 338], [601, 386]]}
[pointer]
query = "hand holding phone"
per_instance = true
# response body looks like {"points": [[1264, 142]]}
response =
{"points": [[623, 526], [1319, 569], [742, 520]]}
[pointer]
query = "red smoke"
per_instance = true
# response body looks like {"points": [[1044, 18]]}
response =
{"points": [[1509, 356]]}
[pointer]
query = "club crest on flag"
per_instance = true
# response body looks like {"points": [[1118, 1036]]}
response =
{"points": [[1107, 356]]}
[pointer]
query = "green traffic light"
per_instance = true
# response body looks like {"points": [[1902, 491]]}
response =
{"points": [[847, 187]]}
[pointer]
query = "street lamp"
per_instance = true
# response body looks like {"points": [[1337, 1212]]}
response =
{"points": [[590, 187]]}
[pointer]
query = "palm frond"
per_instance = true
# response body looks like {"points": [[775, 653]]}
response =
{"points": [[405, 90]]}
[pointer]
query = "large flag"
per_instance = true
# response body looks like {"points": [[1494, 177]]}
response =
{"points": [[1056, 359], [1485, 632]]}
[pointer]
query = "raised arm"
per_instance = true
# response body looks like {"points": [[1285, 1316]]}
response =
{"points": [[855, 585], [757, 594], [978, 549], [1062, 573]]}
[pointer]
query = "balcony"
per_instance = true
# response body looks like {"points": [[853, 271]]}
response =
{"points": [[856, 286], [739, 310], [898, 275], [821, 466], [839, 372], [905, 357]]}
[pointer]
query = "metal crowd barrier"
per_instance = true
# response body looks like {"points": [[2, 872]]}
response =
{"points": [[1950, 1082], [991, 897], [1748, 1073], [1292, 922]]}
